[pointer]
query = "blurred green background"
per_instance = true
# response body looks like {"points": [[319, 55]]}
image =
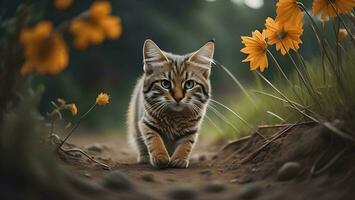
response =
{"points": [[176, 26]]}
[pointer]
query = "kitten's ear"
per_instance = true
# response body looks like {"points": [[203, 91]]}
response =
{"points": [[203, 58], [152, 56]]}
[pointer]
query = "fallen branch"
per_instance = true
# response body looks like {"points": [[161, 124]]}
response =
{"points": [[56, 140], [68, 151]]}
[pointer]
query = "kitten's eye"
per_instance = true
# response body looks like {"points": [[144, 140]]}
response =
{"points": [[189, 84], [165, 84]]}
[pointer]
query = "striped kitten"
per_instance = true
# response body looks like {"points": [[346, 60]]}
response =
{"points": [[168, 105]]}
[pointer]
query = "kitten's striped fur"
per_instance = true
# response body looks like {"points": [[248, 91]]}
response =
{"points": [[168, 104]]}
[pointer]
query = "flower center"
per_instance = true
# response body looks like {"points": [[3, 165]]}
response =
{"points": [[46, 47], [281, 34]]}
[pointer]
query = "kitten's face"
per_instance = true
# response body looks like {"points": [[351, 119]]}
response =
{"points": [[176, 84]]}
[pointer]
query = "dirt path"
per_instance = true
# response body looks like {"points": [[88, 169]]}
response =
{"points": [[281, 170], [200, 176]]}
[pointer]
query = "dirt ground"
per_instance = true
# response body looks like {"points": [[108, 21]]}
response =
{"points": [[302, 162], [158, 182]]}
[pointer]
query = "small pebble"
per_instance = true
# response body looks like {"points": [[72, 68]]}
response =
{"points": [[84, 185], [206, 172], [95, 147], [250, 191], [148, 177], [215, 186], [235, 180], [87, 174], [185, 192], [202, 158], [242, 180], [117, 180], [288, 171]]}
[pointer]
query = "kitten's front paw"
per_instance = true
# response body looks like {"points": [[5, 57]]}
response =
{"points": [[143, 159], [160, 161], [179, 163]]}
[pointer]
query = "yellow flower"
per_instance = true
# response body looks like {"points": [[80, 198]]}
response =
{"points": [[342, 34], [256, 47], [62, 4], [44, 49], [288, 13], [285, 37], [327, 8], [97, 26], [102, 99], [73, 109]]}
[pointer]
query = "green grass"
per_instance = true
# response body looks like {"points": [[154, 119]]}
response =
{"points": [[334, 98]]}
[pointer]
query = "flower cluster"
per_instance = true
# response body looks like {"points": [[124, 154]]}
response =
{"points": [[330, 8], [95, 26], [45, 49], [60, 105], [286, 30]]}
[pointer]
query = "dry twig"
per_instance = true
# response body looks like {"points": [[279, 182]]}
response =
{"points": [[330, 163], [273, 138], [283, 125], [68, 151]]}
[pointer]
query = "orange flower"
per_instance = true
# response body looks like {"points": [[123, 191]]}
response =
{"points": [[45, 50], [329, 8], [102, 99], [62, 4], [95, 27], [256, 47], [73, 109], [285, 37], [288, 13], [100, 9], [342, 34]]}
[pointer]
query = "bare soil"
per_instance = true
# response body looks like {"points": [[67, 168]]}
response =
{"points": [[304, 162]]}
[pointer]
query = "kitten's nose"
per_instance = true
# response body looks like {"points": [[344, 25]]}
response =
{"points": [[177, 94], [178, 99]]}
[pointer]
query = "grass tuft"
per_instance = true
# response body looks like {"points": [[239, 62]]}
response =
{"points": [[334, 101]]}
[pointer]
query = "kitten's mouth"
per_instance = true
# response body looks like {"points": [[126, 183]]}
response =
{"points": [[177, 107]]}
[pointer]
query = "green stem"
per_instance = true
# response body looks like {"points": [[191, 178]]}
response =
{"points": [[279, 67], [296, 67], [236, 81], [323, 43], [284, 75], [336, 28], [351, 18], [318, 34], [304, 66], [342, 21], [238, 116], [76, 126], [287, 99]]}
